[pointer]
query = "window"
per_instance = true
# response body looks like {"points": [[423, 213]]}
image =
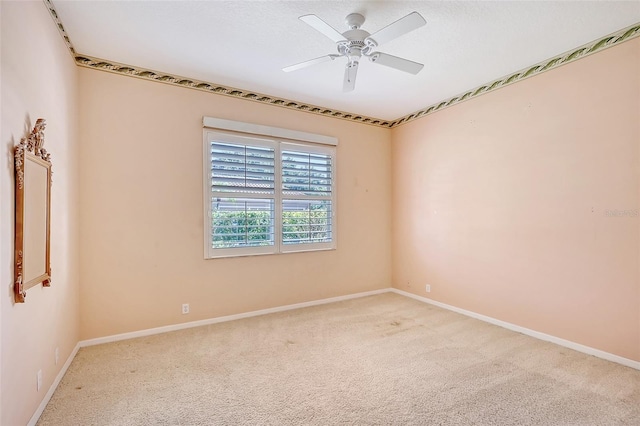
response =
{"points": [[264, 194]]}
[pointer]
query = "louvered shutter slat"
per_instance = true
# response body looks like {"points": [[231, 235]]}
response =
{"points": [[242, 168], [306, 173], [242, 222]]}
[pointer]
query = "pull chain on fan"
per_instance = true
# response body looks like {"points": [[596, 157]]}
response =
{"points": [[356, 43]]}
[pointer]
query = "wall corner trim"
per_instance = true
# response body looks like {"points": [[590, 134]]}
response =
{"points": [[36, 416], [532, 333]]}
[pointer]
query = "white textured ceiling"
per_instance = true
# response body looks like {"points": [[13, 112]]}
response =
{"points": [[245, 44]]}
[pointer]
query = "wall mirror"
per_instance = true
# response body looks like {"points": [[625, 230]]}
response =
{"points": [[33, 213]]}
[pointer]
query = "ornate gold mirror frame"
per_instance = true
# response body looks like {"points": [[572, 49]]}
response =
{"points": [[33, 213]]}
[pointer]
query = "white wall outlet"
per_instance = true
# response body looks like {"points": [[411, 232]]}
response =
{"points": [[428, 288], [185, 308], [39, 379], [57, 355]]}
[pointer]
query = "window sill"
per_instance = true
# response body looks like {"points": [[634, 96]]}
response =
{"points": [[226, 256]]}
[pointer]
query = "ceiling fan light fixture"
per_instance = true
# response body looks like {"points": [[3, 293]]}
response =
{"points": [[371, 43]]}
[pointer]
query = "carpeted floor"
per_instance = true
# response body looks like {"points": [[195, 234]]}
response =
{"points": [[379, 360]]}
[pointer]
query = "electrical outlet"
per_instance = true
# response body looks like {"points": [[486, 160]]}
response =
{"points": [[39, 379], [185, 308], [57, 355], [428, 288]]}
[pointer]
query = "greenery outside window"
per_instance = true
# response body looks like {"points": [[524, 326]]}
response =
{"points": [[264, 195]]}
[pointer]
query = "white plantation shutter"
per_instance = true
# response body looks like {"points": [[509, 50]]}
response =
{"points": [[307, 191], [241, 215], [306, 222], [242, 168], [264, 195], [242, 222], [305, 173]]}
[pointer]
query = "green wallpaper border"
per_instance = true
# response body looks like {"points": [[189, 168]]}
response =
{"points": [[129, 70], [610, 40], [162, 77], [87, 61]]}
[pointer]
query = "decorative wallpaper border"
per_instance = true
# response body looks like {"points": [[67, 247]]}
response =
{"points": [[570, 56], [95, 63], [58, 22], [132, 71]]}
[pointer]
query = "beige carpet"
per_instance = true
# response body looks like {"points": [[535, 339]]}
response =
{"points": [[379, 360]]}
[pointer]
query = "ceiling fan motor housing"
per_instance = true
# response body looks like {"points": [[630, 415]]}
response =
{"points": [[354, 43]]}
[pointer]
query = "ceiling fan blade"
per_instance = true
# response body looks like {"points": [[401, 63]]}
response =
{"points": [[310, 62], [400, 27], [395, 62], [322, 27], [350, 73]]}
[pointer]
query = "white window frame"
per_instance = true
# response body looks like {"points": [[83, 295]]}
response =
{"points": [[279, 139]]}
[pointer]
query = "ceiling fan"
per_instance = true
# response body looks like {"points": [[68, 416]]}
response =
{"points": [[356, 43]]}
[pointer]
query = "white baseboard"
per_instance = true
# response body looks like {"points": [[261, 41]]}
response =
{"points": [[158, 330], [542, 336], [148, 332], [175, 327], [53, 387]]}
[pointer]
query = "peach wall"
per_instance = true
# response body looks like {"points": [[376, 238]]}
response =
{"points": [[39, 79], [500, 203], [142, 219]]}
